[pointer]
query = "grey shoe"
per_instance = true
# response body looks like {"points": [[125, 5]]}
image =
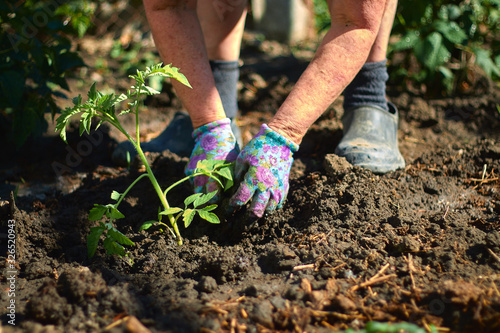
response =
{"points": [[177, 138], [370, 138]]}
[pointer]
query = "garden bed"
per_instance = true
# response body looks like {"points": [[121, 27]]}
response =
{"points": [[419, 245]]}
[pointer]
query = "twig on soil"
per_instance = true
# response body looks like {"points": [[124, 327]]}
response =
{"points": [[132, 324], [303, 267], [494, 255], [377, 278]]}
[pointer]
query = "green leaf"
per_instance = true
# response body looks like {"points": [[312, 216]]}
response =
{"points": [[210, 217], [431, 52], [92, 92], [148, 224], [189, 200], [188, 216], [115, 195], [97, 212], [113, 247], [484, 60], [209, 208], [171, 211], [115, 214], [119, 99], [119, 237], [225, 172], [93, 240], [149, 91], [451, 31], [204, 199]]}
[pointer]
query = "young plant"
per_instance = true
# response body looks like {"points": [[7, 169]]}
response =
{"points": [[102, 107]]}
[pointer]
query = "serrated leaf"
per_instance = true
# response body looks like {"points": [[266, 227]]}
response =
{"points": [[225, 172], [204, 199], [209, 208], [115, 214], [93, 240], [97, 212], [92, 92], [189, 200], [146, 225], [125, 112], [119, 237], [171, 211], [113, 247], [149, 91], [188, 216], [210, 217], [119, 99], [115, 195]]}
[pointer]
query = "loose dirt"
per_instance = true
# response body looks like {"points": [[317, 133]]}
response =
{"points": [[420, 245]]}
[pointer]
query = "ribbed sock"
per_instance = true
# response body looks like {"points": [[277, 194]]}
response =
{"points": [[226, 75], [368, 87]]}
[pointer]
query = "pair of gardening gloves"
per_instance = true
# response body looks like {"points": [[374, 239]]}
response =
{"points": [[262, 168]]}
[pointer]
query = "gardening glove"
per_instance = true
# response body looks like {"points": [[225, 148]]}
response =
{"points": [[214, 140], [263, 167]]}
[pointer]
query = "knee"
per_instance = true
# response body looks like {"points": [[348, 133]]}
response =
{"points": [[358, 14], [162, 5]]}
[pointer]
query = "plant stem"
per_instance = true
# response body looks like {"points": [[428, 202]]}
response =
{"points": [[130, 187], [158, 190]]}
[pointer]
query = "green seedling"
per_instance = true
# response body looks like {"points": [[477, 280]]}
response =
{"points": [[375, 327], [102, 107]]}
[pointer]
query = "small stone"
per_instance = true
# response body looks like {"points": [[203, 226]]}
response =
{"points": [[262, 313], [207, 284], [336, 166]]}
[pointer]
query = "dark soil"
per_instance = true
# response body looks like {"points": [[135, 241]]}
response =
{"points": [[419, 245]]}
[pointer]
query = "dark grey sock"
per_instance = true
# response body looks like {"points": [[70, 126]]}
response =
{"points": [[226, 75], [368, 87]]}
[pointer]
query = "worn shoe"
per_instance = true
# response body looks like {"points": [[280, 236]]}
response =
{"points": [[370, 138], [177, 138]]}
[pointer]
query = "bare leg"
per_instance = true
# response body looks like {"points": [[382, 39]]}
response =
{"points": [[378, 51], [222, 23], [179, 40]]}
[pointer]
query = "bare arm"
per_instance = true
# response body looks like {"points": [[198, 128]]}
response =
{"points": [[343, 51]]}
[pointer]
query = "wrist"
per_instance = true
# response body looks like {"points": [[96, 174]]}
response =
{"points": [[207, 119], [288, 131]]}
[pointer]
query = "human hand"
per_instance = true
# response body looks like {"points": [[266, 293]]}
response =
{"points": [[214, 140], [263, 167]]}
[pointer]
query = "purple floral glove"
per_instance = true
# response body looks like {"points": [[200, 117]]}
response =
{"points": [[265, 163], [214, 140]]}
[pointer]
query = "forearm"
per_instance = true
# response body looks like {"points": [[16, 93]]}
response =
{"points": [[341, 54], [179, 40]]}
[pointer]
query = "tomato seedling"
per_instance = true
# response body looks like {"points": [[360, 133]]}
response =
{"points": [[102, 107]]}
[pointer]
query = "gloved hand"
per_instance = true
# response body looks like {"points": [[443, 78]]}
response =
{"points": [[214, 140], [265, 163]]}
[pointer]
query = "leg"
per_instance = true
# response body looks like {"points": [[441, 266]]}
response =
{"points": [[370, 122], [222, 23], [187, 34]]}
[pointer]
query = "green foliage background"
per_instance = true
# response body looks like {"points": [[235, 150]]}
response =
{"points": [[441, 46], [36, 57]]}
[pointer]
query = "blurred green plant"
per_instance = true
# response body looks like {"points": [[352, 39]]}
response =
{"points": [[375, 327], [445, 46], [35, 59], [441, 47]]}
